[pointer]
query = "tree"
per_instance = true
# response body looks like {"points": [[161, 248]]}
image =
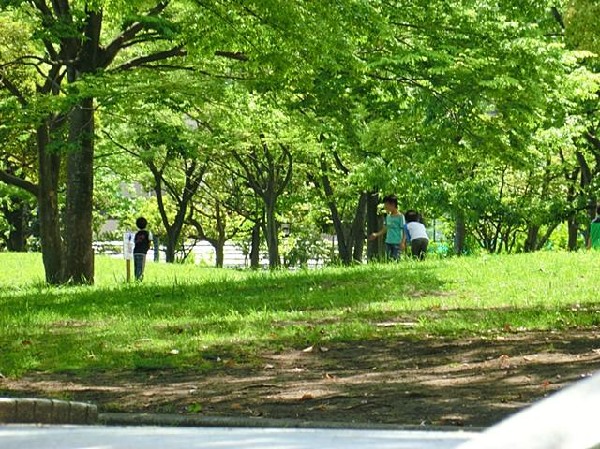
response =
{"points": [[169, 147], [71, 47], [268, 173]]}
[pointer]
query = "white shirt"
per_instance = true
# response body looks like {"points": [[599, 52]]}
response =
{"points": [[416, 230]]}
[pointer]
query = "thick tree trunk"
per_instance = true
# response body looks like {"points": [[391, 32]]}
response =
{"points": [[344, 252], [171, 247], [219, 253], [531, 243], [255, 246], [79, 261], [272, 234], [460, 233], [373, 224], [219, 245], [48, 212], [358, 228]]}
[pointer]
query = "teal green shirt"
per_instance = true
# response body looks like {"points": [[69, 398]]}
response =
{"points": [[595, 233], [395, 227]]}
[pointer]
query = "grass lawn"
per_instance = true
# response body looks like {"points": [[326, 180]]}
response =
{"points": [[181, 316]]}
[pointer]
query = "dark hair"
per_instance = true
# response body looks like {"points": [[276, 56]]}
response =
{"points": [[141, 223], [412, 215], [391, 199]]}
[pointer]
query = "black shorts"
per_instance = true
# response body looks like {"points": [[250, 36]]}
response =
{"points": [[419, 247]]}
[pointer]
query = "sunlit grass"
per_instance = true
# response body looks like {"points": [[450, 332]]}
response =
{"points": [[182, 315]]}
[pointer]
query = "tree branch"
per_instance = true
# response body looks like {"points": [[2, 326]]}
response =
{"points": [[13, 89], [558, 16], [121, 146], [593, 140], [117, 44], [19, 182], [238, 56], [288, 175], [340, 164], [158, 56]]}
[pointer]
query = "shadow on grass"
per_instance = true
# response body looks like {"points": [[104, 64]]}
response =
{"points": [[182, 326], [392, 373], [140, 325], [306, 290]]}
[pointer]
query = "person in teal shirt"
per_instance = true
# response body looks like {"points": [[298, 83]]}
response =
{"points": [[393, 228], [594, 241]]}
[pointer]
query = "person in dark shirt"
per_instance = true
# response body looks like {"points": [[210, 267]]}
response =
{"points": [[142, 242]]}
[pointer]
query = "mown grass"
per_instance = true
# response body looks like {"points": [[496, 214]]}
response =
{"points": [[185, 317]]}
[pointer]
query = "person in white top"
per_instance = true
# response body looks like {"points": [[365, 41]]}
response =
{"points": [[416, 234]]}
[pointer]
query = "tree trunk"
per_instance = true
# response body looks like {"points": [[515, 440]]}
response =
{"points": [[531, 243], [572, 225], [373, 247], [171, 247], [17, 219], [573, 231], [344, 252], [173, 230], [358, 228], [460, 232], [220, 253], [48, 212], [255, 246], [271, 231], [156, 248], [79, 261], [221, 235]]}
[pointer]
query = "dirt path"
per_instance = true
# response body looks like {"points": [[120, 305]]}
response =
{"points": [[467, 382]]}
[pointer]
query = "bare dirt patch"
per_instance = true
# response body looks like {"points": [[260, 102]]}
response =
{"points": [[462, 382]]}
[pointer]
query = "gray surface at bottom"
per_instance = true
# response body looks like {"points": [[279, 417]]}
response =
{"points": [[64, 437]]}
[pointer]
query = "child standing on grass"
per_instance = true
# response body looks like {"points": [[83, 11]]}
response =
{"points": [[142, 245], [393, 228], [416, 235]]}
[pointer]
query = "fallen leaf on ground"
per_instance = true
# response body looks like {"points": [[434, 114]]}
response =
{"points": [[323, 349], [269, 366], [309, 349], [306, 397]]}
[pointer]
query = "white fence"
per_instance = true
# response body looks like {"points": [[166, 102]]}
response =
{"points": [[202, 253]]}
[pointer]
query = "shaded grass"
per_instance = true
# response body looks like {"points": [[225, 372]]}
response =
{"points": [[189, 317]]}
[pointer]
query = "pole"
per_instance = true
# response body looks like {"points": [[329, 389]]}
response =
{"points": [[128, 245]]}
